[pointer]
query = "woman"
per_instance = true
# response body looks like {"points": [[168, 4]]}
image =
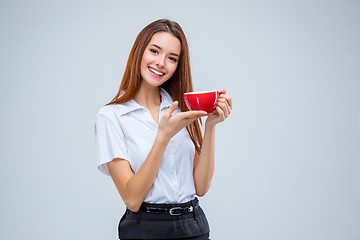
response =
{"points": [[152, 146]]}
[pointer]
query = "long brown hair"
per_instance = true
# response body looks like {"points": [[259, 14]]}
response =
{"points": [[179, 83]]}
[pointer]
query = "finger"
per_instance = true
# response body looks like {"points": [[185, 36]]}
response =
{"points": [[223, 100], [223, 91], [171, 109], [199, 112], [228, 107], [220, 112], [223, 108], [193, 114], [215, 112], [228, 99], [188, 121]]}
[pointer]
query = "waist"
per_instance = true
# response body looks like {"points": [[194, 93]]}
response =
{"points": [[171, 209], [165, 193]]}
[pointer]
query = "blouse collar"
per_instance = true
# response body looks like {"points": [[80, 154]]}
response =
{"points": [[132, 105]]}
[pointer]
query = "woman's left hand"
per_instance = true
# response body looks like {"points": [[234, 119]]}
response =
{"points": [[222, 110]]}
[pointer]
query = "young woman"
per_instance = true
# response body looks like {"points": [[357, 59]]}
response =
{"points": [[152, 146]]}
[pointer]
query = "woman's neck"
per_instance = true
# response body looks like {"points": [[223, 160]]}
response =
{"points": [[148, 96]]}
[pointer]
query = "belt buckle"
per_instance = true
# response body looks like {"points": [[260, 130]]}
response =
{"points": [[171, 211]]}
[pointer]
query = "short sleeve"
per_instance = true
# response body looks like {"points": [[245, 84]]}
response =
{"points": [[110, 142]]}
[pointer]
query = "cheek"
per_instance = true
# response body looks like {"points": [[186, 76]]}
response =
{"points": [[144, 60], [173, 68], [143, 64]]}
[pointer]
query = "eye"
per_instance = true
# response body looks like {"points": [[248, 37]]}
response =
{"points": [[153, 51], [173, 59]]}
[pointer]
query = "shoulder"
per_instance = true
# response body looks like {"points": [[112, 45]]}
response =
{"points": [[107, 117], [116, 110], [109, 111]]}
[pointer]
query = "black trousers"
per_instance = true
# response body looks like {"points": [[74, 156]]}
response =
{"points": [[144, 225]]}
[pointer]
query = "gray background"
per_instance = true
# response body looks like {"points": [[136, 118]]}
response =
{"points": [[287, 159]]}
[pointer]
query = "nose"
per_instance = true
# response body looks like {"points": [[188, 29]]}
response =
{"points": [[160, 62]]}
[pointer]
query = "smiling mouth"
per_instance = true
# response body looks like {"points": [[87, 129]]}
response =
{"points": [[156, 72]]}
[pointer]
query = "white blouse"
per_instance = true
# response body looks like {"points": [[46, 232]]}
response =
{"points": [[128, 131]]}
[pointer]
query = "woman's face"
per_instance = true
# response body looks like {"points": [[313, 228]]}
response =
{"points": [[160, 59]]}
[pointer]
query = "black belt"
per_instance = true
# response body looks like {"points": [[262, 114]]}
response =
{"points": [[173, 211]]}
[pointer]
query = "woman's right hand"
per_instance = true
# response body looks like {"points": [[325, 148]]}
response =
{"points": [[170, 125]]}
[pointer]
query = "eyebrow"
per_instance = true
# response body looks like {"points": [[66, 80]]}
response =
{"points": [[175, 54]]}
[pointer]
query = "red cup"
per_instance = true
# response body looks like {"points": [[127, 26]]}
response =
{"points": [[202, 101]]}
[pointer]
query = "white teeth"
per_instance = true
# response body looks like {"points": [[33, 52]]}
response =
{"points": [[156, 72]]}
